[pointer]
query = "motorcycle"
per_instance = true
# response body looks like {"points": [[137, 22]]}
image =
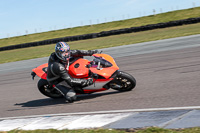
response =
{"points": [[103, 69]]}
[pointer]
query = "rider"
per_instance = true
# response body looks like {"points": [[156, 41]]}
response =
{"points": [[57, 72]]}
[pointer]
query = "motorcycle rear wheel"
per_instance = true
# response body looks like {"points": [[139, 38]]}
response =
{"points": [[123, 82], [47, 90]]}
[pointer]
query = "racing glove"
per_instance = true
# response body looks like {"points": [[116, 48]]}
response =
{"points": [[87, 82], [91, 52]]}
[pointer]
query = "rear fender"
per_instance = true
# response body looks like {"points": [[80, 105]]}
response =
{"points": [[39, 71]]}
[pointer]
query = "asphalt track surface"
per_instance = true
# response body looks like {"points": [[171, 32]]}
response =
{"points": [[167, 74]]}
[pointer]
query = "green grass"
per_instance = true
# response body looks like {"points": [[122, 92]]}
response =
{"points": [[147, 130], [103, 42], [164, 17], [161, 130]]}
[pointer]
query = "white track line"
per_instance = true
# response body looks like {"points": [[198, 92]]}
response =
{"points": [[107, 112]]}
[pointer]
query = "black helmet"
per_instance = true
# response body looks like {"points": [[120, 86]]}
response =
{"points": [[62, 51]]}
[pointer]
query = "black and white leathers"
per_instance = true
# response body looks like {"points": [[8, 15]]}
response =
{"points": [[57, 69]]}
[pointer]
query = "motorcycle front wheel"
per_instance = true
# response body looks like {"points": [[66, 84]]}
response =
{"points": [[47, 90], [123, 82]]}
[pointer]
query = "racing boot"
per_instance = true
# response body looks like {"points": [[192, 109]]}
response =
{"points": [[71, 96], [67, 92]]}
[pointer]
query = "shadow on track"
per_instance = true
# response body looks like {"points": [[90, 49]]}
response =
{"points": [[50, 101]]}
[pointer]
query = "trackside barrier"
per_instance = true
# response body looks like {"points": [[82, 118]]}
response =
{"points": [[104, 33]]}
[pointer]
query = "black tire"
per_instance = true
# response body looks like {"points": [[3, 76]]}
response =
{"points": [[123, 82], [47, 90]]}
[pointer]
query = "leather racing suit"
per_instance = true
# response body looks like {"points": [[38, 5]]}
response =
{"points": [[57, 74]]}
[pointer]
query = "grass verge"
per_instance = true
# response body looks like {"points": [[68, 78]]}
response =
{"points": [[147, 130], [103, 42], [153, 19]]}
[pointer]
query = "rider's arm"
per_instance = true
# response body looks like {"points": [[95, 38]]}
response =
{"points": [[81, 53], [60, 70]]}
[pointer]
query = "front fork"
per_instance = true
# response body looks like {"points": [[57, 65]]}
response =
{"points": [[113, 83]]}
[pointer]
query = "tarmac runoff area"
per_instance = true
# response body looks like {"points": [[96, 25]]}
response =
{"points": [[169, 118]]}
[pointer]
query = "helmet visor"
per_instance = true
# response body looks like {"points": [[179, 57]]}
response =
{"points": [[65, 54]]}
